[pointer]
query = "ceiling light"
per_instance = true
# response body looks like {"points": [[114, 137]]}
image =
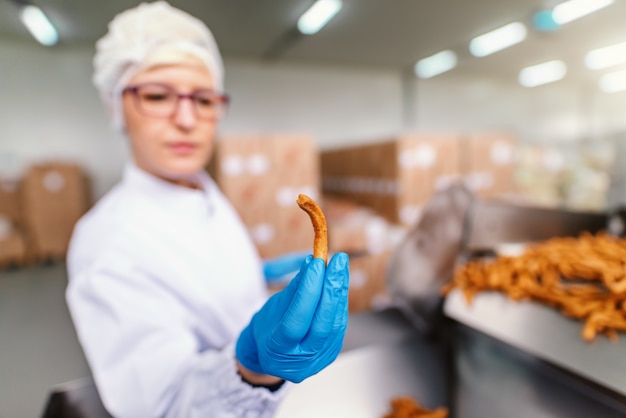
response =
{"points": [[544, 73], [574, 9], [436, 64], [318, 15], [498, 39], [606, 57], [613, 82], [543, 21], [38, 25]]}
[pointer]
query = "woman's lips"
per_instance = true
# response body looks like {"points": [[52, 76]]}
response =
{"points": [[182, 148]]}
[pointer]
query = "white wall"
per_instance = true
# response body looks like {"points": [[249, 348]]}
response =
{"points": [[48, 107], [49, 110], [337, 105]]}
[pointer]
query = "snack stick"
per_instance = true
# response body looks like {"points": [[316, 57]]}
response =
{"points": [[320, 243]]}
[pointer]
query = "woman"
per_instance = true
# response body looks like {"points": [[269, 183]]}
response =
{"points": [[166, 289]]}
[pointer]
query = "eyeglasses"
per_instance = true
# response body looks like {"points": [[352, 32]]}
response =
{"points": [[161, 101]]}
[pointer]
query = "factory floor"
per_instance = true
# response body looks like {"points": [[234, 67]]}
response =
{"points": [[38, 345]]}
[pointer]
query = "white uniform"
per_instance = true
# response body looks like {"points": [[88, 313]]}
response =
{"points": [[162, 279]]}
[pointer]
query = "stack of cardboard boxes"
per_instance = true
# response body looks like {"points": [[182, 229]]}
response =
{"points": [[262, 176], [38, 213], [397, 177], [53, 197], [489, 163]]}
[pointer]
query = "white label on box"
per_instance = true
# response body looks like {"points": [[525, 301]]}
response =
{"points": [[233, 165], [425, 156], [376, 235], [502, 153], [53, 181], [358, 278], [286, 196], [258, 164], [262, 233]]}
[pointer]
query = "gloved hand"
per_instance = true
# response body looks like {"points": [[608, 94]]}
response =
{"points": [[278, 268], [300, 330]]}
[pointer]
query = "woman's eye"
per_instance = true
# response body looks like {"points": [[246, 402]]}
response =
{"points": [[155, 97], [204, 101]]}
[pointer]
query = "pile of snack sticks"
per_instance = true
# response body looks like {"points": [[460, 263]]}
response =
{"points": [[584, 277]]}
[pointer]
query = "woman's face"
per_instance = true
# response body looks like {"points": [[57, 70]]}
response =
{"points": [[174, 147]]}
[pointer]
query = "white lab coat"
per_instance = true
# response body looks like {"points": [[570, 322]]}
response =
{"points": [[162, 279]]}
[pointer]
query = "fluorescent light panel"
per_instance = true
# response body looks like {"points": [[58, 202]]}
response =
{"points": [[38, 25], [318, 15], [436, 64], [606, 57], [613, 82], [575, 9], [498, 39], [544, 73]]}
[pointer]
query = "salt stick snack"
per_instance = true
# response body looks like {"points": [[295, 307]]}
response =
{"points": [[320, 243]]}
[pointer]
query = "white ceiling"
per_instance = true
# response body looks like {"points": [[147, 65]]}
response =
{"points": [[389, 34]]}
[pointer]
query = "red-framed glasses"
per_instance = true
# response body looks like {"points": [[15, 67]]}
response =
{"points": [[161, 101]]}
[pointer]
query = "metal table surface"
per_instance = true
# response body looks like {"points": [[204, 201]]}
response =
{"points": [[544, 333]]}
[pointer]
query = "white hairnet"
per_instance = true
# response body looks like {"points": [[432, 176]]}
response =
{"points": [[147, 35]]}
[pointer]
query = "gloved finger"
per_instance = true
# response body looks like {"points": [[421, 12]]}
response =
{"points": [[279, 267], [341, 319], [324, 320], [296, 320], [292, 287]]}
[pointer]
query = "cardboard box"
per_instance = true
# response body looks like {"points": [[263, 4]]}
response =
{"points": [[368, 287], [394, 177], [262, 175], [12, 249], [355, 229], [10, 200], [53, 197], [490, 163]]}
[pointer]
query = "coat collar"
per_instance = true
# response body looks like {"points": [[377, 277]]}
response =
{"points": [[169, 194]]}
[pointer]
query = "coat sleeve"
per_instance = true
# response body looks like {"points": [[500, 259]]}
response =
{"points": [[139, 340]]}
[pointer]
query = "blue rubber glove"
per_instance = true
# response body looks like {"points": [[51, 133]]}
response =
{"points": [[283, 267], [300, 330]]}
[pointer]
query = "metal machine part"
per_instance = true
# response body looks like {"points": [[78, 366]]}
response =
{"points": [[493, 379], [424, 261]]}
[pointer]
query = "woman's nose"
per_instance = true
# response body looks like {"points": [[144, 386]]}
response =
{"points": [[185, 115]]}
